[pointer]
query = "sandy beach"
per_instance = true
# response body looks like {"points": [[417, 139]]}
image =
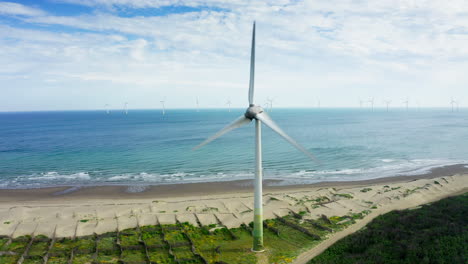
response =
{"points": [[71, 211]]}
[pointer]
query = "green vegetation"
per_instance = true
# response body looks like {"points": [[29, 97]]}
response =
{"points": [[210, 209], [62, 247], [57, 259], [284, 238], [366, 190], [134, 255], [38, 248], [129, 238], [345, 195], [3, 241], [18, 245], [82, 259], [33, 260], [434, 233], [247, 211], [9, 259]]}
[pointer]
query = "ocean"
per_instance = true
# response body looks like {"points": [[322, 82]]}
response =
{"points": [[76, 148]]}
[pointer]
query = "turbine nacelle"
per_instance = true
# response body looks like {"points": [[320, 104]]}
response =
{"points": [[253, 111]]}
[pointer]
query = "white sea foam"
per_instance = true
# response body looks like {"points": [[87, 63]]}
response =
{"points": [[394, 168], [53, 175], [404, 168]]}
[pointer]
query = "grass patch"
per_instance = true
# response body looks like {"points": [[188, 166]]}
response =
{"points": [[57, 259], [33, 260], [82, 259], [345, 195], [19, 244], [134, 255], [160, 255], [9, 259], [38, 248]]}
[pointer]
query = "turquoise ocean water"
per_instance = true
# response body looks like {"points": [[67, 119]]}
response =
{"points": [[39, 149]]}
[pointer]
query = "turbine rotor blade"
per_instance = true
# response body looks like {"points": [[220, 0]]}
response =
{"points": [[252, 68], [241, 121], [265, 118]]}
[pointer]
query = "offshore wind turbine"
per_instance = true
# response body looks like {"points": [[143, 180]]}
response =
{"points": [[406, 102], [452, 102], [107, 108], [270, 103], [126, 108], [387, 102], [371, 101], [229, 104], [360, 102], [198, 107], [256, 113], [163, 107]]}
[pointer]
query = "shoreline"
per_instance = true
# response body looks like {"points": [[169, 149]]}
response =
{"points": [[203, 188], [100, 210]]}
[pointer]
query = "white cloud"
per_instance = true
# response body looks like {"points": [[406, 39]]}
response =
{"points": [[306, 49], [8, 8]]}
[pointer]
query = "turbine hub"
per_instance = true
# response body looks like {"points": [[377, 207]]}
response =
{"points": [[253, 111]]}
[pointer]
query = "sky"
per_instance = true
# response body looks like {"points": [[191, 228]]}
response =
{"points": [[84, 54]]}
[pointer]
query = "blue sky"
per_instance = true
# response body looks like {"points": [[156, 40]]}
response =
{"points": [[83, 54]]}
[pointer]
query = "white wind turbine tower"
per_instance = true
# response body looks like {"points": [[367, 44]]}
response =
{"points": [[229, 104], [163, 106], [406, 102], [318, 103], [107, 108], [126, 108], [387, 102], [198, 106], [255, 112], [360, 102], [452, 102], [371, 101]]}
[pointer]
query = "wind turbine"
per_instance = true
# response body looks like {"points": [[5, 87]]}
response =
{"points": [[406, 102], [452, 102], [270, 103], [371, 101], [107, 108], [198, 107], [318, 103], [255, 112], [360, 102], [126, 108], [387, 102], [229, 104], [163, 107]]}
